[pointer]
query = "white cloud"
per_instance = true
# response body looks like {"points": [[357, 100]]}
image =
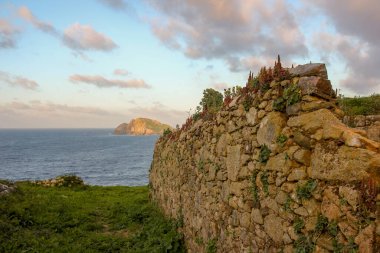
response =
{"points": [[232, 30], [8, 33], [18, 81], [121, 72], [84, 37], [103, 82], [28, 16]]}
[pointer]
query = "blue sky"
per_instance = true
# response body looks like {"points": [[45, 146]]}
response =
{"points": [[97, 63]]}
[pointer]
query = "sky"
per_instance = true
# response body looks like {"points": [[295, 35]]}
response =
{"points": [[98, 63]]}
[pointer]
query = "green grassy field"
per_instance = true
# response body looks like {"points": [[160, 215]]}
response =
{"points": [[360, 105], [84, 219]]}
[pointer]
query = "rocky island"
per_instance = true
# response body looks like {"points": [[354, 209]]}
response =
{"points": [[141, 126]]}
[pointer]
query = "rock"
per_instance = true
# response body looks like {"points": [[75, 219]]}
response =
{"points": [[329, 162], [245, 220], [5, 189], [310, 223], [236, 188], [297, 174], [347, 230], [233, 162], [316, 105], [263, 104], [261, 114], [325, 242], [311, 122], [221, 146], [366, 239], [302, 156], [252, 116], [330, 209], [278, 163], [234, 219], [301, 211], [282, 197], [302, 140], [272, 226], [312, 69], [351, 195], [141, 126], [317, 86], [270, 128], [292, 110]]}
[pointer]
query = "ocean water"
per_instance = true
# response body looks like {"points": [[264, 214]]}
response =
{"points": [[96, 155]]}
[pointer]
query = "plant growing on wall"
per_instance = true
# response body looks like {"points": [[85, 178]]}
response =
{"points": [[304, 191], [264, 153], [290, 96]]}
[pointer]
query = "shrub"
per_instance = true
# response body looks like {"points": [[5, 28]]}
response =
{"points": [[167, 132], [304, 192], [211, 246], [212, 100], [264, 154]]}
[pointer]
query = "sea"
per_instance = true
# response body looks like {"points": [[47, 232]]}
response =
{"points": [[96, 155]]}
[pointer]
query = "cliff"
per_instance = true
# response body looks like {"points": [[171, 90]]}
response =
{"points": [[141, 126], [276, 170]]}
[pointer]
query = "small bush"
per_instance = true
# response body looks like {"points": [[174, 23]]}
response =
{"points": [[212, 100], [292, 95], [282, 139], [211, 246], [264, 154], [70, 180], [304, 245], [304, 192], [264, 181], [254, 189], [298, 225], [167, 132]]}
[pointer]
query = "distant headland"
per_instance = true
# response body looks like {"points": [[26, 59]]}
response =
{"points": [[141, 126]]}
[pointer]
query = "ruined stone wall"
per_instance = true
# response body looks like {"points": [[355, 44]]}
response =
{"points": [[260, 177], [369, 124]]}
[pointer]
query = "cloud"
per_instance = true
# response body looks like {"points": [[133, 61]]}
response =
{"points": [[18, 81], [37, 105], [103, 82], [220, 86], [115, 4], [7, 34], [47, 114], [84, 37], [28, 16], [232, 30], [39, 114], [356, 41], [121, 72]]}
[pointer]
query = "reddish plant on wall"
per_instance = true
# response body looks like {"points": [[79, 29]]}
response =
{"points": [[369, 193]]}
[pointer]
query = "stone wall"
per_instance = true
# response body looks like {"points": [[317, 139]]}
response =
{"points": [[256, 179], [369, 124]]}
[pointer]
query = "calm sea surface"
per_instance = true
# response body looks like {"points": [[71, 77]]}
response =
{"points": [[96, 155]]}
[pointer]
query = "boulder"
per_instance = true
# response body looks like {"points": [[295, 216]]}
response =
{"points": [[270, 128], [233, 162], [311, 69], [329, 162], [272, 226], [311, 122], [315, 85]]}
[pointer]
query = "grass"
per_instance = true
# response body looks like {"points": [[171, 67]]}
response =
{"points": [[360, 105], [84, 219]]}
